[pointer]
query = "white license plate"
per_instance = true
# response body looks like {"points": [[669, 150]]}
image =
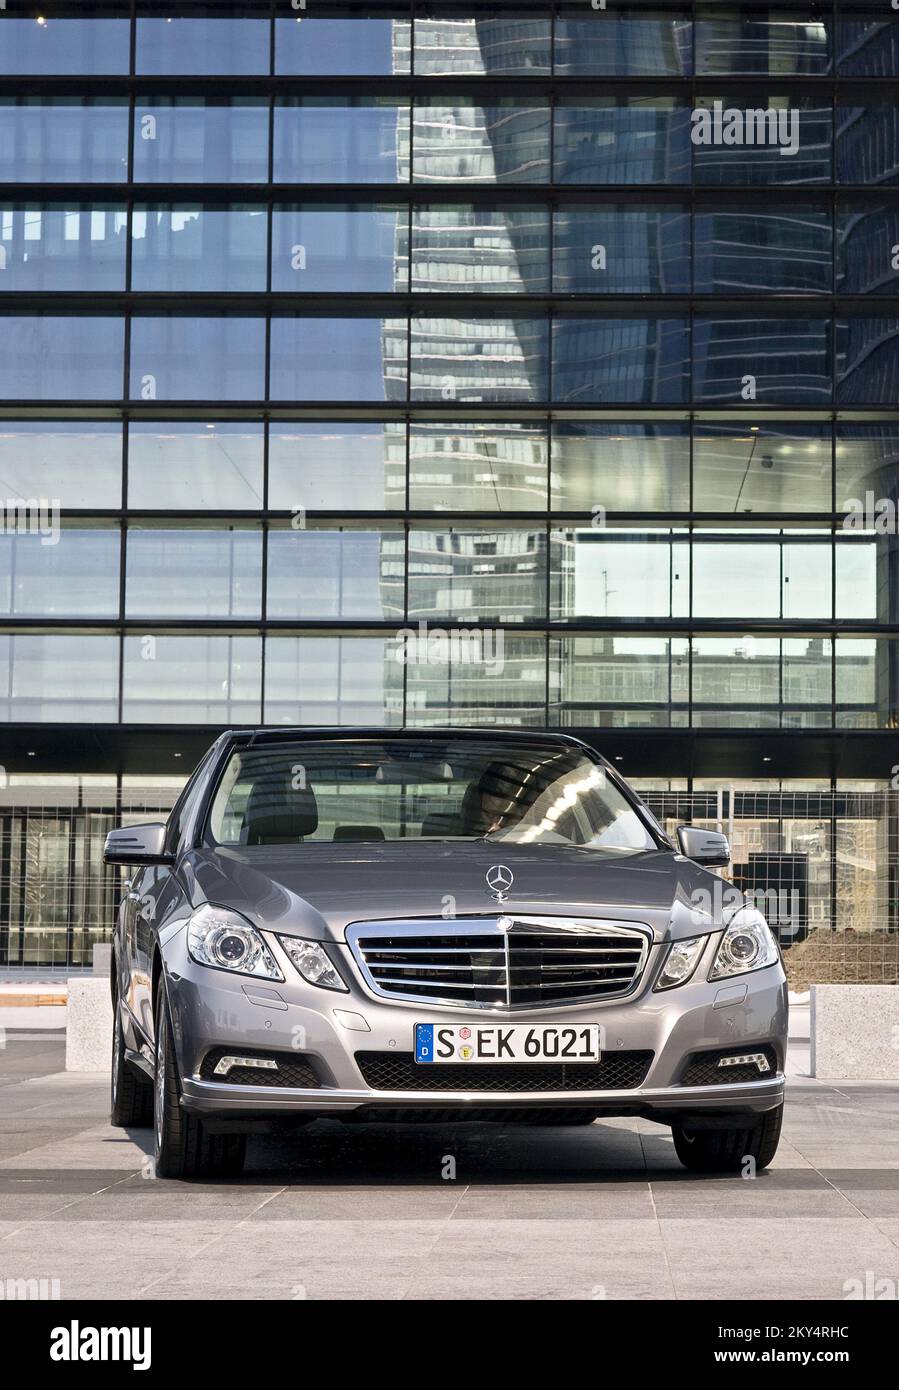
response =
{"points": [[506, 1042]]}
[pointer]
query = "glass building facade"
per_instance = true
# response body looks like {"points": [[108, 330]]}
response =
{"points": [[322, 320], [565, 339]]}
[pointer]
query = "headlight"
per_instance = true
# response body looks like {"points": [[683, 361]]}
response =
{"points": [[313, 962], [681, 961], [747, 944], [223, 939]]}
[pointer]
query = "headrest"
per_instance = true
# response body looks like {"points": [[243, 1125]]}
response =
{"points": [[505, 780], [277, 812], [358, 832]]}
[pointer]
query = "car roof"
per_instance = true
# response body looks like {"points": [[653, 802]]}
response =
{"points": [[350, 733]]}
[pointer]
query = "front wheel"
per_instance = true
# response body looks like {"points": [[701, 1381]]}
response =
{"points": [[726, 1150], [183, 1148]]}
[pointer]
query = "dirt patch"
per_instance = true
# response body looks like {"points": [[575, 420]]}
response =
{"points": [[843, 958]]}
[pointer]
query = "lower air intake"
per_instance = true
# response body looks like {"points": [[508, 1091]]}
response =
{"points": [[398, 1071]]}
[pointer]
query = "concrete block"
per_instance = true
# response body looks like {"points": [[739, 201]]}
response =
{"points": [[102, 958], [855, 1032], [89, 1024]]}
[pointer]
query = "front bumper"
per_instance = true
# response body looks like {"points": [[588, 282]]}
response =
{"points": [[212, 1009]]}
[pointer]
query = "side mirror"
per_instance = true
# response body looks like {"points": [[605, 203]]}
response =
{"points": [[708, 847], [136, 844]]}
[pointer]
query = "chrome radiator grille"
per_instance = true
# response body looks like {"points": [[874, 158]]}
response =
{"points": [[500, 962]]}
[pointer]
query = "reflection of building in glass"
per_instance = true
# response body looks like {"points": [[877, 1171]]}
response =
{"points": [[492, 576], [450, 322]]}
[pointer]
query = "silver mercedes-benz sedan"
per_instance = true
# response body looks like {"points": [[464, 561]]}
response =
{"points": [[401, 926]]}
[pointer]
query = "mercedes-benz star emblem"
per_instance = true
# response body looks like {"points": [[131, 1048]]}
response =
{"points": [[499, 878]]}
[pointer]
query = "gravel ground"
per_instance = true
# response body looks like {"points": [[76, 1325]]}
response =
{"points": [[843, 958]]}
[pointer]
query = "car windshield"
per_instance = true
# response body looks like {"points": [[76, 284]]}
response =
{"points": [[303, 792]]}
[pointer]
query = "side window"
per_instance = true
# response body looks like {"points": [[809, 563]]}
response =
{"points": [[184, 806]]}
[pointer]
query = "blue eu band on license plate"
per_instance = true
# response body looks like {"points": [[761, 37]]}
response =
{"points": [[424, 1042]]}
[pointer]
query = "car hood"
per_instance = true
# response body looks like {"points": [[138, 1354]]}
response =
{"points": [[317, 890]]}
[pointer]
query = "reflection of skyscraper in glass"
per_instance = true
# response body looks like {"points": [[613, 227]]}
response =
{"points": [[473, 573]]}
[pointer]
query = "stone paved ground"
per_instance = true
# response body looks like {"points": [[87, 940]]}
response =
{"points": [[365, 1213]]}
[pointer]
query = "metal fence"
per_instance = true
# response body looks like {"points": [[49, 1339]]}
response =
{"points": [[57, 897], [822, 864]]}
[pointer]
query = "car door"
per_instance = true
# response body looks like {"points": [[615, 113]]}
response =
{"points": [[159, 894], [126, 961], [148, 896]]}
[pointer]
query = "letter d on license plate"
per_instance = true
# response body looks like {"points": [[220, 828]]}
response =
{"points": [[507, 1042]]}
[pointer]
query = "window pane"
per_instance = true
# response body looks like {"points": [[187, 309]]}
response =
{"points": [[197, 679], [741, 251], [219, 358], [466, 574], [214, 573], [482, 467], [350, 43], [333, 680], [49, 357], [77, 463], [867, 460], [63, 140], [338, 467], [92, 43], [346, 359], [867, 683], [642, 140], [195, 467], [43, 247], [785, 360], [621, 361], [621, 682], [497, 679], [736, 682], [234, 42], [600, 573], [807, 683], [483, 41], [765, 468], [464, 142], [868, 46], [340, 249], [806, 579], [867, 361], [626, 250], [336, 574], [620, 467], [736, 579], [62, 573], [473, 359], [866, 573], [868, 237], [867, 143], [785, 44], [597, 43], [341, 140], [59, 677], [199, 249], [492, 250], [192, 140], [781, 140]]}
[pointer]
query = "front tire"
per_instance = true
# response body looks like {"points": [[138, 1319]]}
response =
{"points": [[726, 1150], [131, 1100], [182, 1146]]}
